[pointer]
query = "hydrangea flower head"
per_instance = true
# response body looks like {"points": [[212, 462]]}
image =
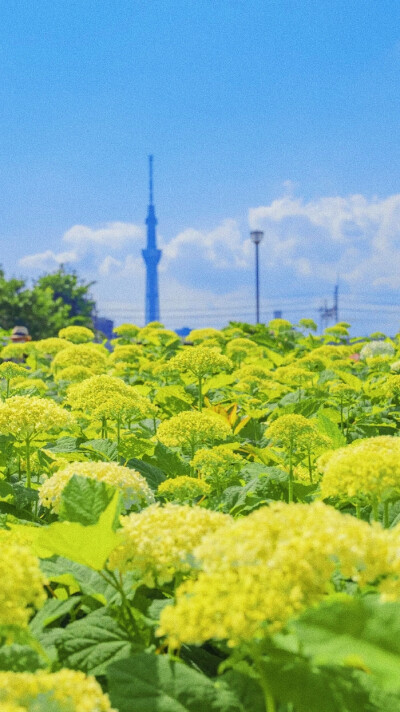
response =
{"points": [[26, 416], [190, 429], [133, 486], [76, 334], [200, 361], [88, 355], [21, 581], [70, 690], [158, 542], [368, 470], [183, 489], [383, 349], [267, 568]]}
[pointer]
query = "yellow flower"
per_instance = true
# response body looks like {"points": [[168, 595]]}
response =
{"points": [[267, 568], [72, 690], [158, 542], [92, 356], [291, 431], [293, 375], [200, 361], [109, 397], [73, 374], [198, 336], [27, 416], [128, 352], [9, 370], [134, 488], [183, 489], [126, 331], [368, 470], [190, 429], [50, 346], [23, 384], [76, 334], [21, 581], [11, 350], [219, 466]]}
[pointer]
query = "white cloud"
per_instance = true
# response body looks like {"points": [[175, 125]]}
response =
{"points": [[223, 248], [48, 260], [113, 235], [357, 238]]}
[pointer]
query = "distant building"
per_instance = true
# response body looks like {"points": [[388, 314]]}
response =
{"points": [[183, 332], [151, 256], [104, 325], [277, 314]]}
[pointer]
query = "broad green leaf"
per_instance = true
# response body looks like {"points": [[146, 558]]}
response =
{"points": [[106, 450], [350, 380], [327, 427], [168, 460], [84, 499], [89, 545], [6, 492], [219, 381], [153, 475], [64, 444], [153, 683], [52, 611], [92, 643], [362, 633], [89, 582], [276, 358], [20, 658]]}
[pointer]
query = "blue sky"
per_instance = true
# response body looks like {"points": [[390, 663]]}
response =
{"points": [[279, 115]]}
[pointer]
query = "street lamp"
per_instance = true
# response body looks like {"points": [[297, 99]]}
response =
{"points": [[257, 236]]}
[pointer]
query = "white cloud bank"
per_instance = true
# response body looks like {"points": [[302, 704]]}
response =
{"points": [[306, 246]]}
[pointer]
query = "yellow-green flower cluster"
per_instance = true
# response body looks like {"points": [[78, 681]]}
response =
{"points": [[219, 465], [93, 356], [183, 489], [73, 374], [126, 331], [129, 353], [198, 336], [266, 568], [238, 349], [293, 375], [200, 361], [21, 581], [109, 397], [190, 429], [70, 690], [366, 470], [158, 542], [20, 384], [291, 430], [9, 370], [27, 416], [50, 346], [11, 350], [133, 486], [76, 334]]}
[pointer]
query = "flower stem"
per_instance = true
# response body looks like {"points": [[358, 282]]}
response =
{"points": [[200, 393], [386, 515], [28, 462], [375, 513], [290, 494]]}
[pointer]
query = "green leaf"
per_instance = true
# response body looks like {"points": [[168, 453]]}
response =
{"points": [[92, 643], [52, 611], [64, 444], [106, 450], [219, 381], [84, 499], [90, 582], [20, 658], [168, 461], [327, 427], [361, 633], [6, 491], [350, 380], [153, 683], [89, 545], [153, 475]]}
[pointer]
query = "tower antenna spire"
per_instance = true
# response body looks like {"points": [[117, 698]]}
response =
{"points": [[151, 179]]}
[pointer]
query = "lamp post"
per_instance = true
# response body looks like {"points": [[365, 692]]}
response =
{"points": [[257, 236]]}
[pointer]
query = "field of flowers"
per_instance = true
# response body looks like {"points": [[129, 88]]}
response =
{"points": [[202, 526]]}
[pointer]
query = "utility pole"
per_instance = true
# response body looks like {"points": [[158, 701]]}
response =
{"points": [[257, 236]]}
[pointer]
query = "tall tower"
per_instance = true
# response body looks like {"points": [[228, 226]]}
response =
{"points": [[151, 256]]}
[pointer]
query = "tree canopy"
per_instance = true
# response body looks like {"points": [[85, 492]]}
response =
{"points": [[54, 301]]}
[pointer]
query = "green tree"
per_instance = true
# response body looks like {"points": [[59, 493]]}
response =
{"points": [[53, 302]]}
